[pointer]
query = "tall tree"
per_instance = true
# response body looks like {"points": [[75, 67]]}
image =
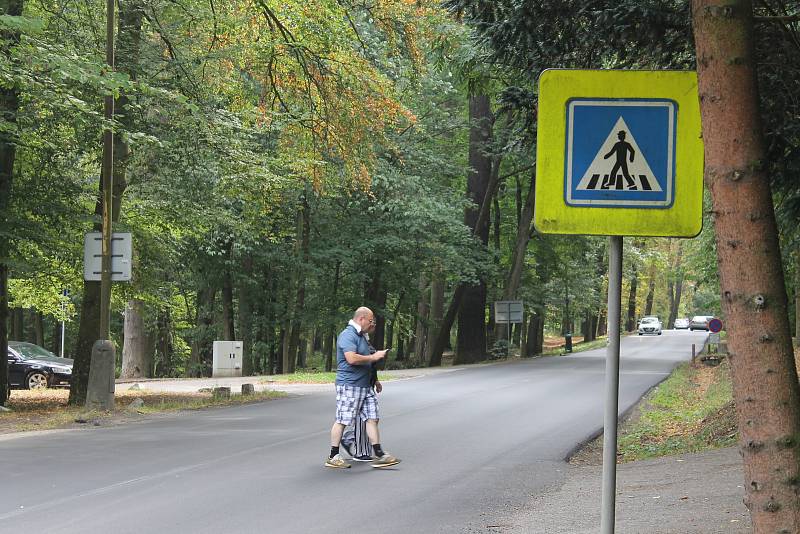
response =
{"points": [[9, 105], [127, 49], [765, 385], [471, 339]]}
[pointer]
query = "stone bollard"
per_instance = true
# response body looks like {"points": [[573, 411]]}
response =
{"points": [[248, 389], [100, 390], [221, 393]]}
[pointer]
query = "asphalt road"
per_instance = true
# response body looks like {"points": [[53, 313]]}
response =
{"points": [[476, 444]]}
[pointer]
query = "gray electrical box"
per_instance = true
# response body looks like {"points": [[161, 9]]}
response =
{"points": [[227, 359]]}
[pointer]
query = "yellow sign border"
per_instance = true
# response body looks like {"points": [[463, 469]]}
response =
{"points": [[552, 215]]}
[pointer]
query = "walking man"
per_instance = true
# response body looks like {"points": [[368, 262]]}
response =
{"points": [[355, 396], [621, 149]]}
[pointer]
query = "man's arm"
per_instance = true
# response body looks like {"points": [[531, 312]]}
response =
{"points": [[632, 152], [353, 358]]}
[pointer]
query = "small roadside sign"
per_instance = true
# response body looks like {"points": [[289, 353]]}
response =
{"points": [[713, 339], [619, 153], [121, 254], [508, 311], [715, 325]]}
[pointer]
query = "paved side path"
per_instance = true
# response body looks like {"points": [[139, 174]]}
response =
{"points": [[685, 494]]}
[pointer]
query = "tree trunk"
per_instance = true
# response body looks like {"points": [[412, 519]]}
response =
{"points": [[765, 385], [246, 308], [675, 286], [9, 105], [630, 323], [127, 53], [436, 311], [37, 335], [375, 298], [651, 291], [329, 348], [135, 353], [797, 296], [302, 352], [204, 334], [164, 344], [533, 341], [520, 246], [471, 338], [228, 327], [423, 310], [17, 324]]}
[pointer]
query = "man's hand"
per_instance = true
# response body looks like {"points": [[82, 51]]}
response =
{"points": [[379, 355], [378, 387]]}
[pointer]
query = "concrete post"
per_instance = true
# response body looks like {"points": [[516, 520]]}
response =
{"points": [[100, 391]]}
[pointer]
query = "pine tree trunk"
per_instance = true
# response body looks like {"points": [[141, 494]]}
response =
{"points": [[765, 386], [135, 353], [797, 296]]}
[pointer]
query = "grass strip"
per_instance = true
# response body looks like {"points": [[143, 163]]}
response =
{"points": [[690, 411], [311, 377]]}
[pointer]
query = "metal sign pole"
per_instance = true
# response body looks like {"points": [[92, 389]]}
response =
{"points": [[508, 332], [612, 386]]}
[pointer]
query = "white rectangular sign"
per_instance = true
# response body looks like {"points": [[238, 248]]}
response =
{"points": [[121, 253], [508, 311]]}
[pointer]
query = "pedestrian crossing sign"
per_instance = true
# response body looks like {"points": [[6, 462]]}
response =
{"points": [[619, 153]]}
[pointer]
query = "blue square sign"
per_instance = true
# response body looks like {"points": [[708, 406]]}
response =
{"points": [[620, 153]]}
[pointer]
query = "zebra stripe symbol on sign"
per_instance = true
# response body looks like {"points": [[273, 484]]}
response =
{"points": [[620, 153], [619, 164]]}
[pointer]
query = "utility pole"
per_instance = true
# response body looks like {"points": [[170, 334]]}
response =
{"points": [[100, 390], [108, 183]]}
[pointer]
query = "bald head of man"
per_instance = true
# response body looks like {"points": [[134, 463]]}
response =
{"points": [[364, 317]]}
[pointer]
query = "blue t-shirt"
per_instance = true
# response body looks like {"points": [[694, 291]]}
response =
{"points": [[354, 375]]}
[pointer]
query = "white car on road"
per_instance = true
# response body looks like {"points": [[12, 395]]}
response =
{"points": [[650, 325]]}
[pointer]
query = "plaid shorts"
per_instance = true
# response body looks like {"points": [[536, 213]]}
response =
{"points": [[352, 401]]}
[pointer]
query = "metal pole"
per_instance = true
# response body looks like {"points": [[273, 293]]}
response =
{"points": [[108, 182], [63, 322], [612, 386], [508, 332]]}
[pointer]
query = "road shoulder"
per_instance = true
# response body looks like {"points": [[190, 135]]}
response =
{"points": [[686, 494]]}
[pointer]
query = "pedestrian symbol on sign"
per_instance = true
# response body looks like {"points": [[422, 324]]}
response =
{"points": [[620, 153]]}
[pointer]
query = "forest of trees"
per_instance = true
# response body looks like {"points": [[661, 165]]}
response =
{"points": [[280, 164], [278, 169]]}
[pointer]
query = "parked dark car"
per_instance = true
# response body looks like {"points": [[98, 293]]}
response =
{"points": [[32, 367]]}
